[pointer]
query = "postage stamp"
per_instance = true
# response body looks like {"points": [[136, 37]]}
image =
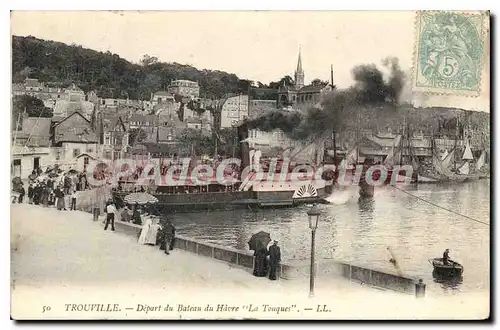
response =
{"points": [[449, 52]]}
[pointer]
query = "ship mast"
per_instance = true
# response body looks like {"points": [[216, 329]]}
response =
{"points": [[456, 142], [403, 143], [357, 137], [334, 133]]}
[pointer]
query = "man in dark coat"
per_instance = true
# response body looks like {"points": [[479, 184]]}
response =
{"points": [[37, 194], [136, 216], [274, 260], [67, 184], [22, 192], [168, 230], [30, 193]]}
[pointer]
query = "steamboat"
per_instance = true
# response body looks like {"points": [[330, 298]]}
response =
{"points": [[284, 186]]}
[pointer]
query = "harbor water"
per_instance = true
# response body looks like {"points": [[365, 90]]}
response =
{"points": [[361, 231]]}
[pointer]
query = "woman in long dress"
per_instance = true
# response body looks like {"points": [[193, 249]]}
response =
{"points": [[153, 231], [45, 196], [145, 229], [60, 199], [260, 265]]}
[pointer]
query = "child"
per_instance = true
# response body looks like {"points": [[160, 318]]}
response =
{"points": [[73, 201]]}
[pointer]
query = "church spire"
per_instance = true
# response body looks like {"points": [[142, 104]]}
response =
{"points": [[299, 64], [299, 73]]}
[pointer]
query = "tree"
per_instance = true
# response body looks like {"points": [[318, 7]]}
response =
{"points": [[33, 105], [148, 60], [244, 85], [286, 80], [229, 142], [136, 135], [319, 83], [108, 74], [197, 142], [34, 108]]}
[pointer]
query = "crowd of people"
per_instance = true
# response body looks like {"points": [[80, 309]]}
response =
{"points": [[156, 229], [51, 189]]}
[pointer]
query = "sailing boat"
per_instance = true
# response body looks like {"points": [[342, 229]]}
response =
{"points": [[467, 157], [441, 171], [481, 169], [395, 156]]}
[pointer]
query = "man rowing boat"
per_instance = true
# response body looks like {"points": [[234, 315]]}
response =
{"points": [[446, 257]]}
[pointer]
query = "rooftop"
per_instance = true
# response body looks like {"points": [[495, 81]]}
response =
{"points": [[32, 82], [143, 118], [311, 89], [163, 93]]}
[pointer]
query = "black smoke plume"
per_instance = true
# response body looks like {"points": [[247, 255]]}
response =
{"points": [[369, 89]]}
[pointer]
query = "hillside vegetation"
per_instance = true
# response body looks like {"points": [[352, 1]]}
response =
{"points": [[109, 74]]}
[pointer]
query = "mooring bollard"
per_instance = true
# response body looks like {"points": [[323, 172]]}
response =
{"points": [[420, 289], [96, 212]]}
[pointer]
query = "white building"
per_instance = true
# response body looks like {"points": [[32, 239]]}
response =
{"points": [[234, 110], [31, 146], [72, 137], [185, 88], [25, 159], [162, 97], [272, 139]]}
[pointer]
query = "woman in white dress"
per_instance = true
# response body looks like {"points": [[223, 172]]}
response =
{"points": [[153, 231], [145, 229]]}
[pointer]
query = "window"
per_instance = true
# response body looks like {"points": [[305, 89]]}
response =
{"points": [[76, 152], [17, 162], [107, 139]]}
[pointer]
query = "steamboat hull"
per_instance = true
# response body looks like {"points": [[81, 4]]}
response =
{"points": [[193, 202]]}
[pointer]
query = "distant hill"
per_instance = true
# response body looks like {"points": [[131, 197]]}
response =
{"points": [[109, 74]]}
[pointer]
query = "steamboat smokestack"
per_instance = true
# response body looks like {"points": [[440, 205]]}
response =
{"points": [[244, 146]]}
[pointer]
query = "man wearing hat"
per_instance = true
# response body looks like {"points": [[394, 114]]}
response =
{"points": [[274, 260], [446, 256], [110, 215]]}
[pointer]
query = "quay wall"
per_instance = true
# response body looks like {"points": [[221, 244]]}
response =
{"points": [[245, 259]]}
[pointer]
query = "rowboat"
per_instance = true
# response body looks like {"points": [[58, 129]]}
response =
{"points": [[451, 269]]}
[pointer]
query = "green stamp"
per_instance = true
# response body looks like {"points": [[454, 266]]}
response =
{"points": [[449, 52]]}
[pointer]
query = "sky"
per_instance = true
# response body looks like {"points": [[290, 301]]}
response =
{"points": [[256, 45], [261, 46]]}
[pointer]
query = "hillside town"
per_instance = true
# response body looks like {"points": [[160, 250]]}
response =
{"points": [[86, 127]]}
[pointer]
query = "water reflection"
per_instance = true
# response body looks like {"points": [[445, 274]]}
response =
{"points": [[448, 283]]}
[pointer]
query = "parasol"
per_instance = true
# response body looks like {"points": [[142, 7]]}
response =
{"points": [[140, 198], [260, 238]]}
